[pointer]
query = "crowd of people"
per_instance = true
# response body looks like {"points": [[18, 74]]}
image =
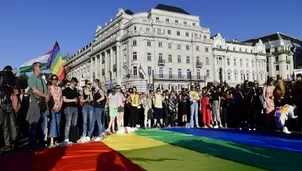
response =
{"points": [[63, 114]]}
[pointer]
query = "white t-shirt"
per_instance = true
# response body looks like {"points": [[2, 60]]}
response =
{"points": [[113, 100]]}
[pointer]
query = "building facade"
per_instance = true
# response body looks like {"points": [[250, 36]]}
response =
{"points": [[235, 62], [284, 54], [167, 44], [165, 47]]}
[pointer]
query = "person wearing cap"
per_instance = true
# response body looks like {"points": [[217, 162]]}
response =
{"points": [[70, 99]]}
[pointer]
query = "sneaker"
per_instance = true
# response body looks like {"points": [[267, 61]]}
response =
{"points": [[210, 126], [285, 130], [220, 126], [6, 148], [81, 139], [216, 126], [98, 139], [65, 143]]}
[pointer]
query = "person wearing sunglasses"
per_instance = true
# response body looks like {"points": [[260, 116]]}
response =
{"points": [[55, 105], [70, 99], [37, 107]]}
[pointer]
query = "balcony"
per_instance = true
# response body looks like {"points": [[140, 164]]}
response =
{"points": [[161, 62], [171, 77], [199, 64]]}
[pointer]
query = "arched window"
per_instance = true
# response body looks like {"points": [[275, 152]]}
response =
{"points": [[229, 75]]}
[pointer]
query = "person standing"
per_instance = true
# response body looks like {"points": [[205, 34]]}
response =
{"points": [[99, 102], [206, 109], [183, 98], [148, 111], [113, 106], [38, 104], [56, 102], [121, 107], [158, 108], [194, 98], [70, 99], [215, 97], [87, 109], [134, 113]]}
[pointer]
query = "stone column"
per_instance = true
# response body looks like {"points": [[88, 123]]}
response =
{"points": [[271, 68], [214, 68], [91, 69], [111, 63], [119, 67], [106, 67]]}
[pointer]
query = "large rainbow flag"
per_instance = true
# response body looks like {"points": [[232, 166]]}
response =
{"points": [[55, 62], [175, 149]]}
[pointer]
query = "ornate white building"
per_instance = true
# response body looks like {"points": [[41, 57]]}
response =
{"points": [[169, 46], [283, 52], [235, 62]]}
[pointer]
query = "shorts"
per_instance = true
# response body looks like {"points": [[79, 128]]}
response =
{"points": [[158, 113], [120, 109], [112, 112]]}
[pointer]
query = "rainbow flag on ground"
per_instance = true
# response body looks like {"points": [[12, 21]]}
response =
{"points": [[176, 149], [55, 62]]}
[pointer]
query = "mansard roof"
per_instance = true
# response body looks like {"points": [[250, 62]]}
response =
{"points": [[171, 9]]}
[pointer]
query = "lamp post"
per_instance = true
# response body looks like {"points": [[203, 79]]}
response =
{"points": [[190, 78]]}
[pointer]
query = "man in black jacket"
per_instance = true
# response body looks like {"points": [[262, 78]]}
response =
{"points": [[297, 98]]}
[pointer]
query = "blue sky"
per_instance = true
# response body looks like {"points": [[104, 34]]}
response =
{"points": [[29, 28]]}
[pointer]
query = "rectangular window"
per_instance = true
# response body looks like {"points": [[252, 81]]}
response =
{"points": [[197, 48], [208, 73], [207, 61], [228, 61], [161, 72], [160, 57], [178, 33], [178, 47], [188, 73], [198, 74], [179, 73], [197, 59], [147, 29], [179, 59], [187, 47], [206, 49], [157, 18], [169, 45], [134, 43], [159, 30], [134, 56], [167, 19], [188, 59], [149, 70], [234, 62], [187, 34], [277, 67], [135, 70], [160, 44], [148, 43], [149, 58], [176, 21], [170, 72], [185, 23], [241, 63], [169, 31], [170, 58]]}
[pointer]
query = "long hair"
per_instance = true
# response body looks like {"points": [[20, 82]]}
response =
{"points": [[280, 88]]}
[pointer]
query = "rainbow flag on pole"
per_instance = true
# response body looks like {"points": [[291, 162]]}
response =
{"points": [[55, 62]]}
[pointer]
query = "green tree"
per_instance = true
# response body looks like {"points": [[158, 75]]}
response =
{"points": [[22, 80]]}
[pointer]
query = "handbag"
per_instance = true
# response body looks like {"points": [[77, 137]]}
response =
{"points": [[42, 101]]}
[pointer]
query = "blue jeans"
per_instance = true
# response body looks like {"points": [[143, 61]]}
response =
{"points": [[99, 116], [55, 124], [194, 112], [87, 112], [71, 114]]}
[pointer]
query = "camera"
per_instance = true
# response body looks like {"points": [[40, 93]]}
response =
{"points": [[7, 80]]}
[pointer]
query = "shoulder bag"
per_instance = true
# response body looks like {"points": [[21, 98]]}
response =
{"points": [[42, 101]]}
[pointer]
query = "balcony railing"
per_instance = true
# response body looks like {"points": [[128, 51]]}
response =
{"points": [[199, 64], [161, 62], [175, 77]]}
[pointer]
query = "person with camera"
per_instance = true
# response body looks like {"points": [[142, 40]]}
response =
{"points": [[10, 127], [38, 105]]}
